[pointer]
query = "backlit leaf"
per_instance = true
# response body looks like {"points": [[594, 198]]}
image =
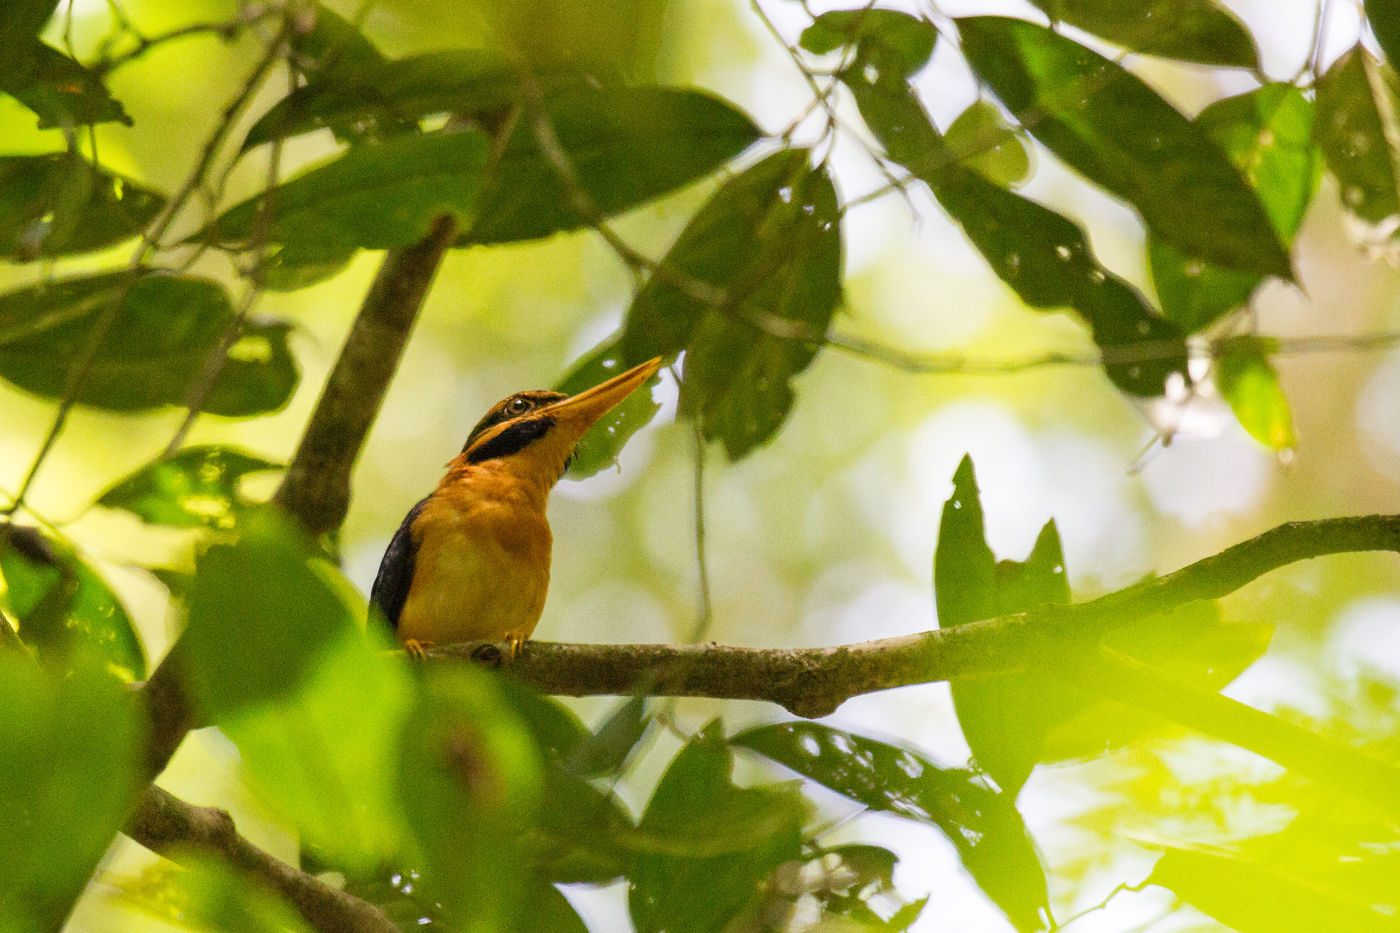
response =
{"points": [[1384, 16], [1250, 384], [982, 140], [1194, 30], [1111, 127], [61, 91], [906, 40], [60, 204], [196, 487], [24, 19], [1358, 100], [600, 447], [204, 893]]}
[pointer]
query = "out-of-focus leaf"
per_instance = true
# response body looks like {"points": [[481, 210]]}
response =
{"points": [[1254, 898], [72, 752], [700, 890], [163, 330], [546, 909], [627, 146], [1357, 105], [583, 834], [607, 750], [470, 781], [1004, 718], [604, 441], [556, 728], [208, 895], [24, 19], [196, 487], [1039, 253], [287, 267], [60, 204], [981, 823], [770, 241], [1192, 30], [1107, 124], [373, 196], [62, 605], [1267, 134], [845, 881], [1385, 23], [262, 609], [333, 46], [906, 40], [982, 140], [59, 90], [1249, 382]]}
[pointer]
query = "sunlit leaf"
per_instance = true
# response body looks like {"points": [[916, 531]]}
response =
{"points": [[207, 895], [68, 776], [373, 196], [907, 41], [63, 605], [1249, 382], [1004, 718], [982, 140], [981, 823], [627, 146], [1039, 253], [770, 241], [1358, 99], [604, 441], [59, 204], [1115, 130], [1267, 134], [1384, 16], [700, 890], [163, 329], [59, 90], [195, 487], [1194, 30]]}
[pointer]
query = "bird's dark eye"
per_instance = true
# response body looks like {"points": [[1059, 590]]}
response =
{"points": [[518, 406]]}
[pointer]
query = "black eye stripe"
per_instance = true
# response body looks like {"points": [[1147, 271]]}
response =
{"points": [[513, 439]]}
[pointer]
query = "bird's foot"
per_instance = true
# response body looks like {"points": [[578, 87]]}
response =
{"points": [[414, 648], [515, 643]]}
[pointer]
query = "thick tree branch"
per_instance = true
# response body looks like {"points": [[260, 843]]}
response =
{"points": [[169, 826]]}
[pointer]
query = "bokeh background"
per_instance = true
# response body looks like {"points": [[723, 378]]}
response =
{"points": [[826, 535]]}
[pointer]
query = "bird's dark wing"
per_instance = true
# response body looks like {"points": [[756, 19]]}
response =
{"points": [[395, 575]]}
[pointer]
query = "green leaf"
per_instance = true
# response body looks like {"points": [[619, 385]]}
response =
{"points": [[333, 46], [584, 835], [1357, 105], [372, 196], [261, 610], [1005, 718], [607, 750], [600, 447], [700, 890], [1192, 30], [60, 204], [24, 19], [63, 605], [906, 40], [1385, 23], [73, 747], [1251, 897], [1249, 382], [62, 92], [195, 487], [163, 330], [1267, 134], [206, 894], [627, 146], [981, 823], [982, 140], [1039, 253], [770, 240], [1116, 131]]}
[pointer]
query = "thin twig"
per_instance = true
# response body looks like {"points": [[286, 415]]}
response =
{"points": [[704, 613]]}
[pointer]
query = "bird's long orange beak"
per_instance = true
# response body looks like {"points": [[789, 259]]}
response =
{"points": [[580, 411]]}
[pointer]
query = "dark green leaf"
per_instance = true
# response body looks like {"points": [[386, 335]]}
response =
{"points": [[1005, 718], [906, 41], [604, 441], [287, 267], [981, 139], [1115, 130], [24, 19], [261, 609], [714, 874], [333, 46], [1039, 253], [555, 727], [583, 835], [1252, 897], [1250, 384], [373, 196], [627, 145], [62, 605], [1385, 23], [164, 328], [770, 240], [982, 824], [60, 204], [547, 911], [1357, 106], [195, 487], [72, 752], [607, 750], [62, 92], [1267, 134], [1193, 30]]}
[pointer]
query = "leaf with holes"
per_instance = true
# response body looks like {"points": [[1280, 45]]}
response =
{"points": [[600, 447], [196, 487], [1358, 100], [1201, 31], [60, 204]]}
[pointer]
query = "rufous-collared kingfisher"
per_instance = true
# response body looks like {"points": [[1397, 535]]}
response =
{"points": [[471, 561]]}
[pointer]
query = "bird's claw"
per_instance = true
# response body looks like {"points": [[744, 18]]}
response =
{"points": [[415, 648], [515, 643]]}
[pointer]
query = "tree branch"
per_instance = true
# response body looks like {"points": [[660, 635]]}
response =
{"points": [[169, 826]]}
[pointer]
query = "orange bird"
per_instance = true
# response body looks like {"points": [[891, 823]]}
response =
{"points": [[471, 561]]}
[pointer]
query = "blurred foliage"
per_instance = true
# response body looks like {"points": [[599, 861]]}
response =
{"points": [[457, 799]]}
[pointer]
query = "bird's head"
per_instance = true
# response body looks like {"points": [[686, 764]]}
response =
{"points": [[536, 431]]}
